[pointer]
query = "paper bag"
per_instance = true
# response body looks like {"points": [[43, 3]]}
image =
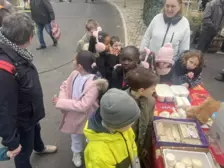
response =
{"points": [[204, 111]]}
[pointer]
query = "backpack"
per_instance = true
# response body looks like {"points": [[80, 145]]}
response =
{"points": [[4, 65]]}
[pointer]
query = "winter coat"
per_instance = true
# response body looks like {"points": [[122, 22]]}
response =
{"points": [[77, 112], [179, 74], [21, 97], [3, 154], [161, 32], [83, 43], [213, 17], [42, 11], [109, 150], [105, 63], [143, 127]]}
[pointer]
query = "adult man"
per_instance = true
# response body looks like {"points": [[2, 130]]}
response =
{"points": [[43, 14], [212, 22], [21, 95], [6, 8]]}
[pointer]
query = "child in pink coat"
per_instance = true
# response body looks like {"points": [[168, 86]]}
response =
{"points": [[78, 100]]}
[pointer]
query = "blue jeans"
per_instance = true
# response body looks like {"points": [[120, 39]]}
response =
{"points": [[40, 29]]}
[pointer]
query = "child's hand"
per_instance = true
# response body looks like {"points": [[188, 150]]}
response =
{"points": [[190, 75], [55, 99], [186, 85], [144, 153], [14, 153]]}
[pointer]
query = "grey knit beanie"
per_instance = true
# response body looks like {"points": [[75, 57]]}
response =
{"points": [[118, 109]]}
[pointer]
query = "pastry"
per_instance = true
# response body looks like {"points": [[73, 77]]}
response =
{"points": [[165, 114], [187, 162], [166, 139], [193, 131], [179, 165], [170, 159], [184, 133], [178, 102], [182, 113], [186, 102], [175, 133], [174, 115], [197, 163], [160, 129], [191, 141]]}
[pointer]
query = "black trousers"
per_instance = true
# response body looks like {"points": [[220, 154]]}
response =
{"points": [[30, 140], [205, 39]]}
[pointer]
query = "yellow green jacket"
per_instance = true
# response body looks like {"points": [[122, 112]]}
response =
{"points": [[109, 150]]}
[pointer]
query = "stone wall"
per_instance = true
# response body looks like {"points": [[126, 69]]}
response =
{"points": [[151, 8]]}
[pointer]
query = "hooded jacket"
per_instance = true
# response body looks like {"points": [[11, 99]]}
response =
{"points": [[143, 127], [83, 43], [213, 17], [21, 97], [77, 112], [42, 11], [109, 150], [162, 31]]}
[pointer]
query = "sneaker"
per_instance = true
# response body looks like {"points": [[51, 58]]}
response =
{"points": [[55, 43], [220, 77], [41, 47], [48, 149], [77, 160]]}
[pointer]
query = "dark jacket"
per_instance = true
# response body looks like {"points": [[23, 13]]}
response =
{"points": [[42, 11], [213, 17], [105, 63], [21, 98], [179, 74], [118, 80]]}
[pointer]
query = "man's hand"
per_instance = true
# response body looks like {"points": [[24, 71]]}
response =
{"points": [[55, 99], [15, 152]]}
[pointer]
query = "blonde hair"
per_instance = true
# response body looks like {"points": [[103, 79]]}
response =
{"points": [[194, 53], [181, 7], [91, 24]]}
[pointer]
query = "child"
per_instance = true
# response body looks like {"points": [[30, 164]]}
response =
{"points": [[164, 63], [99, 44], [142, 82], [91, 26], [187, 70], [111, 141], [129, 59], [115, 45], [78, 99]]}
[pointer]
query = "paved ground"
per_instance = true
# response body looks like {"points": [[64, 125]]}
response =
{"points": [[71, 18], [132, 16], [214, 63]]}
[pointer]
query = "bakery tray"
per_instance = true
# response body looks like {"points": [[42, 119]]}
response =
{"points": [[200, 132], [192, 155]]}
